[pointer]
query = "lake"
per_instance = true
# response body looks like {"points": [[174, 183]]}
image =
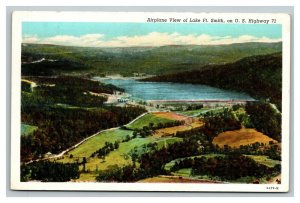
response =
{"points": [[173, 91]]}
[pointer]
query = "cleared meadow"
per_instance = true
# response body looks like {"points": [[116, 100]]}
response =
{"points": [[146, 119], [98, 141]]}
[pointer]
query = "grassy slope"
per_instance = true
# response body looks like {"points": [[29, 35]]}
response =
{"points": [[119, 157], [150, 60], [98, 141], [146, 119]]}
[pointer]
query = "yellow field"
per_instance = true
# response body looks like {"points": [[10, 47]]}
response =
{"points": [[240, 137], [180, 128]]}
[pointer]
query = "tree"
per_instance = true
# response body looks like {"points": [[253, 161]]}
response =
{"points": [[84, 161], [116, 145]]}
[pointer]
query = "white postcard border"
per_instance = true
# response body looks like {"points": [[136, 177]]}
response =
{"points": [[40, 16]]}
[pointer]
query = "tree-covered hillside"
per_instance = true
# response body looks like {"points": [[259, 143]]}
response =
{"points": [[260, 76], [129, 60]]}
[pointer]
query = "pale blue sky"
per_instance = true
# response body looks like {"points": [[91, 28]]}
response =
{"points": [[146, 34], [111, 30]]}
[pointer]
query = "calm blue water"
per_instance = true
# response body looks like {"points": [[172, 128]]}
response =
{"points": [[173, 91]]}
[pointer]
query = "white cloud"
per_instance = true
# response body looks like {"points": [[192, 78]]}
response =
{"points": [[151, 39]]}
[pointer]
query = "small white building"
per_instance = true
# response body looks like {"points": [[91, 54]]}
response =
{"points": [[48, 155]]}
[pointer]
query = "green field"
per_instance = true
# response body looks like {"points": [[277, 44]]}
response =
{"points": [[169, 165], [265, 160], [185, 172], [122, 157], [27, 129], [146, 119], [98, 141]]}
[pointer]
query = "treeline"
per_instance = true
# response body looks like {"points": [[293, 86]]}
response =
{"points": [[259, 76], [228, 167], [265, 118], [47, 171], [194, 107]]}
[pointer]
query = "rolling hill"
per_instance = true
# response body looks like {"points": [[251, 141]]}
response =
{"points": [[129, 60]]}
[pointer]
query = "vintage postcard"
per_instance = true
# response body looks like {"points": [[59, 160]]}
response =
{"points": [[151, 101]]}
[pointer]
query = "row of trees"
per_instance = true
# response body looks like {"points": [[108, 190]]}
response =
{"points": [[115, 173]]}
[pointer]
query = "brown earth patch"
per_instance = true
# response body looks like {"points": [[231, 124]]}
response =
{"points": [[172, 130], [244, 136]]}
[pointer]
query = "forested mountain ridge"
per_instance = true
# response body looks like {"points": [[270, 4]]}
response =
{"points": [[260, 76], [129, 60]]}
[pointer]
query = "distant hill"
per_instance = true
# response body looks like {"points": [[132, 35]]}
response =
{"points": [[129, 60], [260, 76]]}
